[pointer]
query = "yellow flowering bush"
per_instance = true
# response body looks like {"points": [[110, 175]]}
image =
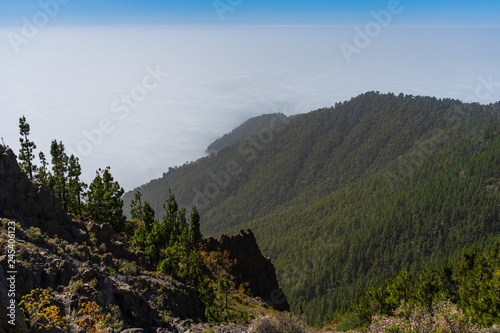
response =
{"points": [[38, 311], [93, 317]]}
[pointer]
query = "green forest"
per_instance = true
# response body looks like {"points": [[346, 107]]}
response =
{"points": [[345, 198], [381, 206], [249, 128]]}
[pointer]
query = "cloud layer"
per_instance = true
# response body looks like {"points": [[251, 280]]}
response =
{"points": [[73, 83]]}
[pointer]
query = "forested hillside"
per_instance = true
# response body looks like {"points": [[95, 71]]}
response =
{"points": [[249, 128], [344, 197]]}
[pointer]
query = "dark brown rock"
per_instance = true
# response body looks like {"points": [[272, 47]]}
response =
{"points": [[5, 303], [251, 267], [19, 197]]}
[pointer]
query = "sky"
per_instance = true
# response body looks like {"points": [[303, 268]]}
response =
{"points": [[142, 86], [290, 12]]}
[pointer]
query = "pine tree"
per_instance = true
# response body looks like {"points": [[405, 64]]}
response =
{"points": [[148, 216], [75, 186], [136, 208], [104, 203], [195, 234], [170, 225], [26, 153], [58, 182], [43, 174], [4, 144]]}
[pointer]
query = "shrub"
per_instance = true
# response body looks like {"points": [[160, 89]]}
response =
{"points": [[128, 268], [38, 313], [113, 319], [35, 235], [92, 317], [76, 285], [446, 317], [282, 323]]}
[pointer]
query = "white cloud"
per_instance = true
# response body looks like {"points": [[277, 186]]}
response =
{"points": [[66, 79]]}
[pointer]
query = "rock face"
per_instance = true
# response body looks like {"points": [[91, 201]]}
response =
{"points": [[251, 267], [19, 197]]}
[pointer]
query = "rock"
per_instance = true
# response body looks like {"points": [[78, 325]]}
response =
{"points": [[88, 275], [104, 233], [76, 329], [79, 234], [64, 271], [93, 228], [133, 330], [108, 330], [19, 197], [251, 267], [5, 303], [493, 329], [134, 306]]}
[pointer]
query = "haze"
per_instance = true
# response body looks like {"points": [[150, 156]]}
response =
{"points": [[71, 82]]}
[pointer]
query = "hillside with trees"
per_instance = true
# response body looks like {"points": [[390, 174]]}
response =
{"points": [[249, 128], [88, 268], [345, 197]]}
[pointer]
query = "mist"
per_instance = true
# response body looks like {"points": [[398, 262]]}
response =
{"points": [[143, 99]]}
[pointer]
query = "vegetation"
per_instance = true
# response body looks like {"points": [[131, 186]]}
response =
{"points": [[104, 203], [377, 213], [38, 311], [93, 318], [101, 202], [282, 323], [345, 197], [249, 128], [26, 154], [466, 290], [445, 318]]}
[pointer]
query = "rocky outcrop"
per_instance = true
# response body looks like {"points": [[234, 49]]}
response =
{"points": [[251, 267], [25, 200]]}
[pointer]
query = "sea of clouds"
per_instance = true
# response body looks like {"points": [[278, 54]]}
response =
{"points": [[143, 99]]}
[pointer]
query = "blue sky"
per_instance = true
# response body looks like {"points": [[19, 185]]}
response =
{"points": [[243, 12]]}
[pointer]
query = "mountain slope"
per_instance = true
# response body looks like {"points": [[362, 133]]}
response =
{"points": [[79, 275], [338, 196], [251, 127]]}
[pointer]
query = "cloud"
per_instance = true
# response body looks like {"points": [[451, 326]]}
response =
{"points": [[66, 79]]}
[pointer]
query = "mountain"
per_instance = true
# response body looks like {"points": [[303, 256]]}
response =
{"points": [[60, 274], [251, 127], [344, 197]]}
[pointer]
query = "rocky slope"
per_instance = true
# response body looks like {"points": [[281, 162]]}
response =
{"points": [[82, 261]]}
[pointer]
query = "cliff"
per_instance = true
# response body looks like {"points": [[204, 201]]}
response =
{"points": [[22, 199], [251, 267]]}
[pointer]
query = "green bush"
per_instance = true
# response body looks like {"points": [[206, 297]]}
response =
{"points": [[282, 323], [128, 268], [445, 317]]}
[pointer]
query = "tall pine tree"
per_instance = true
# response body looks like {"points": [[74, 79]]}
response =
{"points": [[75, 186], [58, 181], [43, 174], [195, 234], [26, 153], [104, 203], [136, 209]]}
